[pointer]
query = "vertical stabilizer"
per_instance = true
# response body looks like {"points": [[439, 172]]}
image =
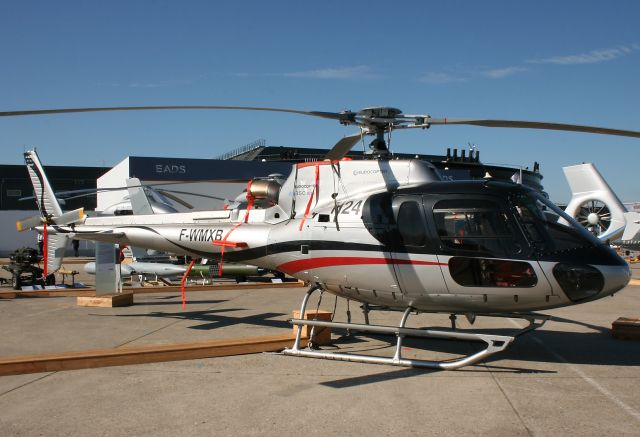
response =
{"points": [[50, 212], [140, 204], [593, 203], [45, 197]]}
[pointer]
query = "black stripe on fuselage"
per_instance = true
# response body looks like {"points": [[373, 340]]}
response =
{"points": [[596, 255]]}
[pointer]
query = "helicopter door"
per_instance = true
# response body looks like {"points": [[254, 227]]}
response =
{"points": [[414, 256], [483, 254]]}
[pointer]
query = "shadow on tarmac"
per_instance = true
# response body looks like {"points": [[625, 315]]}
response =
{"points": [[374, 379], [211, 302], [213, 319], [556, 346], [540, 346]]}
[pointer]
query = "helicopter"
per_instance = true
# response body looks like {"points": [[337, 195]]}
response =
{"points": [[385, 232]]}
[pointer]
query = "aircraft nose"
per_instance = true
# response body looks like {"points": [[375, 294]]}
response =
{"points": [[585, 282], [616, 278]]}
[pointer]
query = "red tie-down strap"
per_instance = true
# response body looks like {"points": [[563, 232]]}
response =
{"points": [[224, 243], [184, 278], [121, 253], [250, 201], [45, 251], [316, 189]]}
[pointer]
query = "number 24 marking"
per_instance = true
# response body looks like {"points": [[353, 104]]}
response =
{"points": [[348, 207]]}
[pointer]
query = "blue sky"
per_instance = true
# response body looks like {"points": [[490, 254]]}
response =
{"points": [[570, 61]]}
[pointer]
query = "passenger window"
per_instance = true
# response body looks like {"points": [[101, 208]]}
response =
{"points": [[482, 272], [475, 225], [410, 224]]}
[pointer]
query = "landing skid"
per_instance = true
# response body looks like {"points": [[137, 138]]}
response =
{"points": [[495, 343]]}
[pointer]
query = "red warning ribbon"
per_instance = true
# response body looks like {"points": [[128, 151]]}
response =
{"points": [[316, 189], [45, 251], [184, 278]]}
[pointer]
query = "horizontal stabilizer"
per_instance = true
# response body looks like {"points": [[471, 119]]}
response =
{"points": [[107, 236], [631, 236]]}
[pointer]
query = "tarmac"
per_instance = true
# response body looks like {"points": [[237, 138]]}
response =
{"points": [[570, 377]]}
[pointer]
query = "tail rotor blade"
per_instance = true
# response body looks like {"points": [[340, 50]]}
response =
{"points": [[29, 223]]}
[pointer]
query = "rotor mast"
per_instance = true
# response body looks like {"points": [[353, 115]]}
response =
{"points": [[378, 121]]}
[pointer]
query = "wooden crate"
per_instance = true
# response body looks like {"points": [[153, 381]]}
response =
{"points": [[322, 335], [626, 329], [106, 300]]}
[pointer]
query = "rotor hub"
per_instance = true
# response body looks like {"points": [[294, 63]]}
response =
{"points": [[593, 218], [380, 112]]}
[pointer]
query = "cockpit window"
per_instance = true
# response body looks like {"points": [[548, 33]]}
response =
{"points": [[548, 227], [475, 226], [377, 216], [410, 224]]}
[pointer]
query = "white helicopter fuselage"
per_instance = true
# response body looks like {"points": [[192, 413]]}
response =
{"points": [[383, 232], [327, 226]]}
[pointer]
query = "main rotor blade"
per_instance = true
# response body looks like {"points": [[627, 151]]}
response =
{"points": [[534, 125], [347, 117], [176, 199], [344, 116], [86, 192], [342, 147]]}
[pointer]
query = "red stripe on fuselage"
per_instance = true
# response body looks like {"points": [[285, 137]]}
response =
{"points": [[292, 267]]}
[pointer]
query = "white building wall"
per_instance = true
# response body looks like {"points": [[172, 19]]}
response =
{"points": [[118, 175], [11, 238]]}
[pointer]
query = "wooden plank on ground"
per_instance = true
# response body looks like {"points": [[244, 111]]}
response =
{"points": [[70, 292], [59, 292], [216, 287], [90, 359]]}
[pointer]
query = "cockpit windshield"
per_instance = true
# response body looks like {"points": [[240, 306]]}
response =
{"points": [[549, 228]]}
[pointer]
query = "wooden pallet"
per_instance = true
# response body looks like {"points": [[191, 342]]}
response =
{"points": [[90, 359]]}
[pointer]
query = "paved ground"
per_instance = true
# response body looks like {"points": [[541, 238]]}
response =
{"points": [[570, 377]]}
